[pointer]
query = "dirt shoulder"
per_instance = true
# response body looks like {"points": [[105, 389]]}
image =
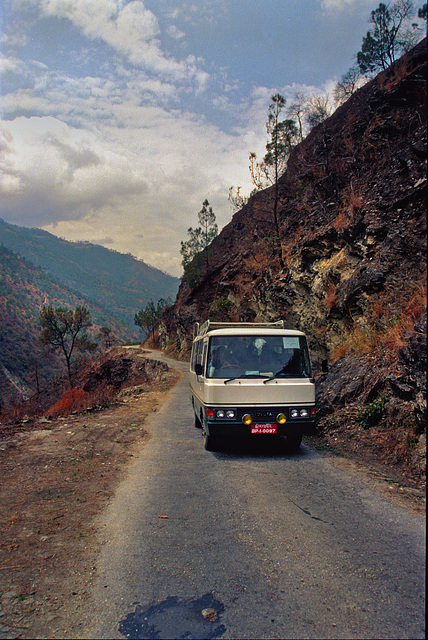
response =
{"points": [[388, 480], [56, 476]]}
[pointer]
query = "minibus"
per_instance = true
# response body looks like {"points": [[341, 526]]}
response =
{"points": [[249, 380]]}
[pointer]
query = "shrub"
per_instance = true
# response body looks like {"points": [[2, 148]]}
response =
{"points": [[372, 413], [331, 295], [196, 268], [388, 320], [219, 305], [352, 203], [71, 400]]}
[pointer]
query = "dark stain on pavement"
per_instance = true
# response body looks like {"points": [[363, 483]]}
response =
{"points": [[176, 618]]}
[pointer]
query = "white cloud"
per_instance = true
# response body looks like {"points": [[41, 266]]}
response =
{"points": [[175, 33], [124, 26], [145, 179], [54, 170], [110, 139], [9, 64], [338, 6], [102, 161], [210, 12], [131, 29]]}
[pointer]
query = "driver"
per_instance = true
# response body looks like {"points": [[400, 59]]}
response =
{"points": [[222, 359]]}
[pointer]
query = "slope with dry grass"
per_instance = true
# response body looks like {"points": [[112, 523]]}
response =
{"points": [[352, 217]]}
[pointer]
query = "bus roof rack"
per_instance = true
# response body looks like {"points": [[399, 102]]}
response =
{"points": [[209, 325]]}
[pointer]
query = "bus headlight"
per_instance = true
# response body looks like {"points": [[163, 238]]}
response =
{"points": [[225, 414], [303, 412]]}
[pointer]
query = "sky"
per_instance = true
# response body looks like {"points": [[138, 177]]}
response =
{"points": [[120, 117]]}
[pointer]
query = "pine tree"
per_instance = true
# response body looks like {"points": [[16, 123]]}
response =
{"points": [[283, 135], [389, 37], [201, 237]]}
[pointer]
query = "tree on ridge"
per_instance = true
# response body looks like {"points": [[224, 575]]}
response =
{"points": [[389, 37], [201, 237], [62, 330]]}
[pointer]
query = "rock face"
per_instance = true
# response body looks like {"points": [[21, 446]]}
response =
{"points": [[350, 269]]}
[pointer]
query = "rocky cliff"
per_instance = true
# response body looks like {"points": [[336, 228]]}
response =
{"points": [[350, 268]]}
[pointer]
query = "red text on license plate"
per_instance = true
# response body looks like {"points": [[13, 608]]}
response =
{"points": [[263, 428]]}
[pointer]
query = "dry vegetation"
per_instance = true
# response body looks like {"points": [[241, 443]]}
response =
{"points": [[386, 325]]}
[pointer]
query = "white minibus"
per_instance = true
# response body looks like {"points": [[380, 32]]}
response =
{"points": [[251, 379]]}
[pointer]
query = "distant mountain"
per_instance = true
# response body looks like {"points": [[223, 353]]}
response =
{"points": [[120, 283], [24, 289]]}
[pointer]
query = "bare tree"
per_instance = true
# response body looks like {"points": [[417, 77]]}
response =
{"points": [[297, 111], [348, 84], [62, 329], [282, 137], [236, 199], [319, 108]]}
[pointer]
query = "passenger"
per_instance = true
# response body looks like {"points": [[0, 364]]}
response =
{"points": [[291, 366]]}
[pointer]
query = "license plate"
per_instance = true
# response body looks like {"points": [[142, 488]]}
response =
{"points": [[263, 428]]}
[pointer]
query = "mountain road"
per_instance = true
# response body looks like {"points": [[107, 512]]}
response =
{"points": [[251, 542]]}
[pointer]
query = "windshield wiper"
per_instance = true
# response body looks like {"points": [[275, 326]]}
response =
{"points": [[246, 375], [282, 374]]}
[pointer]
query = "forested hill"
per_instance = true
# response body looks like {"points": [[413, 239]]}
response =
{"points": [[36, 269], [119, 282], [24, 289]]}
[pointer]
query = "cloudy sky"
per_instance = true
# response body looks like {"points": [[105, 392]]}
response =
{"points": [[120, 117]]}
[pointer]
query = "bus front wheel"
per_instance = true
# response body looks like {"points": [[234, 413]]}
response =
{"points": [[294, 441], [210, 442]]}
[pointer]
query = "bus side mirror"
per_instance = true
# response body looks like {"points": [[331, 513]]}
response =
{"points": [[324, 366], [199, 369]]}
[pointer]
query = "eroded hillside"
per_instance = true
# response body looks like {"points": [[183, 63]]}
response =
{"points": [[351, 270]]}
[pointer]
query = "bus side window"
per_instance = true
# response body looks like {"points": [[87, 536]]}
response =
{"points": [[204, 355], [198, 360], [193, 357]]}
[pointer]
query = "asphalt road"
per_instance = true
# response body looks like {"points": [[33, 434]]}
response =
{"points": [[277, 545]]}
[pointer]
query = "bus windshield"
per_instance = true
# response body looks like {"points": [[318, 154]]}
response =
{"points": [[265, 356]]}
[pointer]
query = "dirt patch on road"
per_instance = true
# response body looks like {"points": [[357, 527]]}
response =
{"points": [[56, 476]]}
